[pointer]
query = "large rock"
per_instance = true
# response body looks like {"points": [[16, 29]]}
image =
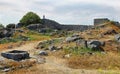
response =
{"points": [[16, 55], [6, 33], [73, 38], [117, 37], [95, 45], [109, 32], [52, 48], [35, 26], [43, 53]]}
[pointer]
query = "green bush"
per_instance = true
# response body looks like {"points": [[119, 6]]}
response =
{"points": [[30, 18], [8, 40], [1, 26]]}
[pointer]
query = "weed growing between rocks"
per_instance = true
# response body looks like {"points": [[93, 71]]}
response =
{"points": [[86, 58], [77, 50]]}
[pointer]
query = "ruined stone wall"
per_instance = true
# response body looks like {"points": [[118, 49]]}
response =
{"points": [[99, 21], [54, 25], [75, 27]]}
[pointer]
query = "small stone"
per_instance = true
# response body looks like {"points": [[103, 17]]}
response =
{"points": [[117, 37], [6, 69], [43, 53], [73, 38], [67, 56], [51, 48]]}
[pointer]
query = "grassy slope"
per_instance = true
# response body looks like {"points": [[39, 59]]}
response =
{"points": [[110, 61], [16, 41]]}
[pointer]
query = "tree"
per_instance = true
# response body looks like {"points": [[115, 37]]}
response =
{"points": [[30, 18], [1, 26]]}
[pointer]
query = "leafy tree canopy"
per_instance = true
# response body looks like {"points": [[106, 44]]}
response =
{"points": [[30, 18], [1, 26]]}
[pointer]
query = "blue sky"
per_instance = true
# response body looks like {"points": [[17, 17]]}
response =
{"points": [[62, 11]]}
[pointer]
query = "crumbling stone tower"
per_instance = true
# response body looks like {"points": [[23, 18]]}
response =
{"points": [[99, 21]]}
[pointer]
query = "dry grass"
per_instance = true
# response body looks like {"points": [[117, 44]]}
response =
{"points": [[31, 70], [47, 68], [98, 31], [109, 71], [36, 70], [107, 61], [15, 64], [10, 45]]}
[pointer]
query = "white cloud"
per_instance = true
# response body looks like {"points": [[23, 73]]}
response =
{"points": [[67, 11]]}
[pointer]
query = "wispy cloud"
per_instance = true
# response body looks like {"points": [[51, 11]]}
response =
{"points": [[67, 11]]}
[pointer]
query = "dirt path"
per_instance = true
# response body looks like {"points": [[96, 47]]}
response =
{"points": [[53, 65], [59, 65]]}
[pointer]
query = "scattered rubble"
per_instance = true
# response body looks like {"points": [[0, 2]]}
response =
{"points": [[52, 48], [110, 32]]}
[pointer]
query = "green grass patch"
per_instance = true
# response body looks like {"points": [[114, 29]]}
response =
{"points": [[78, 50], [3, 41], [36, 36], [29, 36]]}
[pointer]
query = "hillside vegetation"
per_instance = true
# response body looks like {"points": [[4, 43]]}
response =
{"points": [[55, 51]]}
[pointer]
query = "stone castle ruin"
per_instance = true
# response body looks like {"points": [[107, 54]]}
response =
{"points": [[77, 27], [47, 23], [100, 21], [55, 25]]}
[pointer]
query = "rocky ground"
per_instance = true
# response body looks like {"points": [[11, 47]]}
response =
{"points": [[94, 51], [52, 65]]}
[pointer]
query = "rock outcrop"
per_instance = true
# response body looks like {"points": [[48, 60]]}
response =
{"points": [[117, 37], [73, 38], [6, 33], [43, 53], [16, 55], [95, 45], [35, 26]]}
